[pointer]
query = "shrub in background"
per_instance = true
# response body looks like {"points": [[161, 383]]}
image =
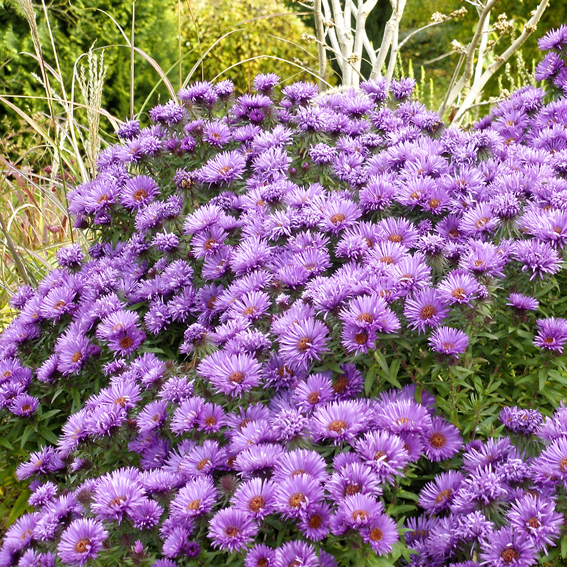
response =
{"points": [[262, 270]]}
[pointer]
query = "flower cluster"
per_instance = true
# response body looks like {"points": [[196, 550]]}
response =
{"points": [[552, 68], [251, 255], [500, 507]]}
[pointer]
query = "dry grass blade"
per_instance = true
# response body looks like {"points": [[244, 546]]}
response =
{"points": [[91, 89], [313, 73]]}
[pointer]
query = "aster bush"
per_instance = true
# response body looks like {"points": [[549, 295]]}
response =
{"points": [[295, 310]]}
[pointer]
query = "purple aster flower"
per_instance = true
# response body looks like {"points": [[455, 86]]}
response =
{"points": [[402, 88], [339, 421], [479, 220], [523, 421], [157, 316], [129, 130], [378, 192], [472, 526], [424, 309], [199, 93], [165, 241], [357, 339], [81, 541], [357, 510], [211, 418], [224, 168], [553, 39], [538, 257], [442, 440], [381, 533], [458, 287], [164, 563], [224, 88], [217, 134], [479, 489], [185, 416], [338, 214], [322, 154], [289, 424], [251, 254], [264, 83], [349, 383], [551, 334], [522, 302], [42, 495], [316, 391], [146, 515], [449, 341], [493, 452], [23, 405], [196, 498], [537, 519], [297, 494], [315, 522], [258, 459], [298, 552], [169, 113], [203, 459], [115, 495], [300, 92], [384, 453], [365, 312], [303, 343], [411, 274], [402, 416], [260, 556], [232, 529], [483, 258], [70, 256], [555, 456], [58, 302], [18, 537], [232, 374], [138, 192], [436, 496], [507, 547], [255, 497], [300, 462], [253, 305], [152, 416], [353, 478], [72, 353]]}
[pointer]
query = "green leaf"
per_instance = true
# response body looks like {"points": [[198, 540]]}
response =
{"points": [[25, 435], [542, 377], [49, 414], [48, 435], [20, 506], [5, 443], [369, 381], [381, 360]]}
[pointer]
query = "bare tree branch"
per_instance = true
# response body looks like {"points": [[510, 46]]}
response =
{"points": [[468, 70], [392, 26], [321, 46], [478, 85]]}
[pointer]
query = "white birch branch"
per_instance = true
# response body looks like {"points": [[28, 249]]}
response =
{"points": [[468, 70], [478, 85], [482, 50], [321, 45], [333, 35], [392, 26]]}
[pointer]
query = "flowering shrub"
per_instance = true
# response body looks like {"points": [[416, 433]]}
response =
{"points": [[263, 270]]}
